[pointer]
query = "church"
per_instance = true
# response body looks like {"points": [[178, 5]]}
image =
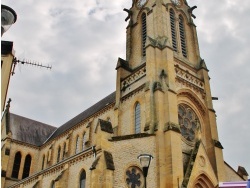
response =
{"points": [[162, 107]]}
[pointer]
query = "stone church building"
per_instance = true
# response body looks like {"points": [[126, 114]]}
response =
{"points": [[162, 106]]}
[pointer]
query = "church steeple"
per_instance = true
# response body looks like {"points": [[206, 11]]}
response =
{"points": [[163, 62], [162, 24]]}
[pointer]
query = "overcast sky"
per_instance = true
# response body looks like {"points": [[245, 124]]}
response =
{"points": [[82, 40]]}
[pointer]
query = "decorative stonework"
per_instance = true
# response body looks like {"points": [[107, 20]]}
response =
{"points": [[134, 177], [133, 93], [188, 79], [172, 126], [133, 78], [202, 161], [195, 101], [188, 121], [159, 42]]}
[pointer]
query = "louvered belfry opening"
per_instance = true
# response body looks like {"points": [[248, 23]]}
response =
{"points": [[144, 34], [173, 29], [182, 36]]}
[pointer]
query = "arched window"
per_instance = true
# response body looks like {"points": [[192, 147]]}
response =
{"points": [[144, 33], [77, 144], [26, 168], [82, 179], [58, 154], [64, 151], [188, 121], [182, 36], [16, 165], [43, 162], [173, 29], [84, 141], [137, 118]]}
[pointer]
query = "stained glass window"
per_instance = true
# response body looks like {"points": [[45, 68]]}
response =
{"points": [[188, 122], [137, 118], [83, 179]]}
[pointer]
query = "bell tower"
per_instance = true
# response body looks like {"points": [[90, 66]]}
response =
{"points": [[163, 59]]}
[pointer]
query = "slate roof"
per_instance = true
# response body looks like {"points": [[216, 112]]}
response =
{"points": [[28, 130], [85, 114]]}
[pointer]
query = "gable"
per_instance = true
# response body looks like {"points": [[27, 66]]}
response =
{"points": [[202, 170]]}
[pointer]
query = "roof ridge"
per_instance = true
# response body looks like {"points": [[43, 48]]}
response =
{"points": [[83, 115]]}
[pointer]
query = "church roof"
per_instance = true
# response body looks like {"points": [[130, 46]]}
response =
{"points": [[28, 130], [85, 114]]}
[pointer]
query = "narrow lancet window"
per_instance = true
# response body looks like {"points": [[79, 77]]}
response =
{"points": [[26, 168], [173, 29], [82, 179], [84, 141], [137, 118], [58, 154], [43, 162], [64, 151], [182, 36], [144, 34], [77, 144], [16, 165]]}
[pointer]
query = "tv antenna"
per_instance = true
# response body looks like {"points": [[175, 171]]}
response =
{"points": [[15, 61]]}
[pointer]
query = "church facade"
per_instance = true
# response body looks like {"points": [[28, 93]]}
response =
{"points": [[162, 106]]}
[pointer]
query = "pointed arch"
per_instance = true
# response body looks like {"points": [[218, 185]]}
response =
{"points": [[182, 36], [82, 181], [26, 168], [173, 29], [144, 33], [16, 165], [203, 181], [137, 112], [195, 100]]}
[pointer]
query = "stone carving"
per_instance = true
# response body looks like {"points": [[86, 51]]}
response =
{"points": [[172, 126], [189, 79], [133, 78], [196, 102], [159, 42]]}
